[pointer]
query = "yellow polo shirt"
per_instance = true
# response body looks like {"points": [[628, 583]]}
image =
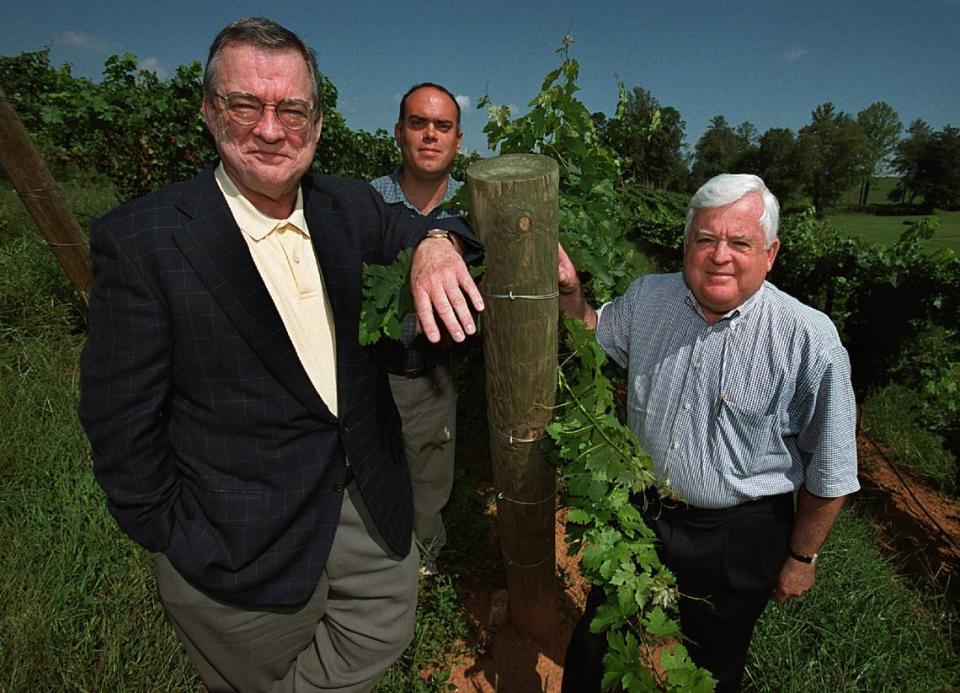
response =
{"points": [[283, 254]]}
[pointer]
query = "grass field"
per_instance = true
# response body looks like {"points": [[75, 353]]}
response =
{"points": [[78, 608], [884, 228], [874, 228]]}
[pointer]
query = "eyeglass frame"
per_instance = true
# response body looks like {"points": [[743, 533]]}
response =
{"points": [[263, 108]]}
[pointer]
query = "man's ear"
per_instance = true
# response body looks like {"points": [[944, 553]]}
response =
{"points": [[459, 139], [772, 253], [319, 126], [397, 130]]}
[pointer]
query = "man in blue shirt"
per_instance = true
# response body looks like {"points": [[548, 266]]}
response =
{"points": [[742, 396], [421, 380]]}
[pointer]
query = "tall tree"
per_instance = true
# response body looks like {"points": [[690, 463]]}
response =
{"points": [[648, 138], [837, 147], [906, 160], [780, 161], [881, 127], [722, 149], [929, 163]]}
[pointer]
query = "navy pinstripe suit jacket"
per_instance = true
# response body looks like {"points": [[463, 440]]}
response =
{"points": [[208, 438]]}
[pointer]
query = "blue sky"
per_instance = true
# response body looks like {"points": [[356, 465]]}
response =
{"points": [[767, 62]]}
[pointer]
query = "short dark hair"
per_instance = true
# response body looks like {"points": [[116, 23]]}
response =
{"points": [[259, 32], [424, 85]]}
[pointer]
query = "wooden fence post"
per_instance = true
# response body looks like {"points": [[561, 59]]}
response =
{"points": [[43, 199], [514, 209]]}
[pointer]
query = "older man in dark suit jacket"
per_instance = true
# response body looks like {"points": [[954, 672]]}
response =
{"points": [[238, 429]]}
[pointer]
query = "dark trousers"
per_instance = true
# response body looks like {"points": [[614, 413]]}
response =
{"points": [[726, 563]]}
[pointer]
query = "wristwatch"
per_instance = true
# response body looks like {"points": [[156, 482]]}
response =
{"points": [[809, 560]]}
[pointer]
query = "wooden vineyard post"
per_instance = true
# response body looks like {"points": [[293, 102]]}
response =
{"points": [[514, 210], [43, 199]]}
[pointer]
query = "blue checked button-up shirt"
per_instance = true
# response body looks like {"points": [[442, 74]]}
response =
{"points": [[754, 405], [389, 188]]}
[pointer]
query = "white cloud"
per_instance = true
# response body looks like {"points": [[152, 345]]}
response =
{"points": [[81, 40], [464, 102], [153, 65], [793, 54]]}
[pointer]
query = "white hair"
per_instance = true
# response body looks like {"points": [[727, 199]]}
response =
{"points": [[727, 188]]}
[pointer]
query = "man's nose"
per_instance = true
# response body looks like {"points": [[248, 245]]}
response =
{"points": [[268, 128], [430, 133], [720, 252]]}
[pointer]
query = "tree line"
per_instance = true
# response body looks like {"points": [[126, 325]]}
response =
{"points": [[818, 164], [143, 132]]}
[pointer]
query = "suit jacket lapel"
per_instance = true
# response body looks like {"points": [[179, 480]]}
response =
{"points": [[214, 247]]}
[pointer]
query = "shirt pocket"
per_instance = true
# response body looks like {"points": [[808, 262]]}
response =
{"points": [[746, 424]]}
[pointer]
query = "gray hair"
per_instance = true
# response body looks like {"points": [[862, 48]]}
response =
{"points": [[259, 32], [727, 188]]}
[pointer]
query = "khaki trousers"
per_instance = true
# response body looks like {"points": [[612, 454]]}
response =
{"points": [[357, 623], [428, 410]]}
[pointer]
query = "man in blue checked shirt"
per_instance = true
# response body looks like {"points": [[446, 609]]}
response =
{"points": [[421, 378], [742, 396]]}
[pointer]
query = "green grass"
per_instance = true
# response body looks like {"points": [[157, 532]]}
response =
{"points": [[861, 628], [885, 229], [879, 188], [890, 416]]}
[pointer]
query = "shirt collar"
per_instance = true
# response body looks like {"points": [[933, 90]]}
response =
{"points": [[393, 193], [734, 315], [251, 220]]}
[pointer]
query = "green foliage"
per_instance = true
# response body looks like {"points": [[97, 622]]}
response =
{"points": [[143, 132], [722, 149], [834, 153], [648, 139], [560, 126], [929, 164], [386, 299], [139, 131], [654, 220], [881, 127], [604, 470], [880, 297]]}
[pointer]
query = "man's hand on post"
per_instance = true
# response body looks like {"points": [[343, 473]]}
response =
{"points": [[572, 301], [438, 281]]}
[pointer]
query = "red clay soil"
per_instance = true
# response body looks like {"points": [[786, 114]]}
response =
{"points": [[917, 525]]}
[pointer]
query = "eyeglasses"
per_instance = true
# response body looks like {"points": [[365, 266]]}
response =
{"points": [[247, 109]]}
